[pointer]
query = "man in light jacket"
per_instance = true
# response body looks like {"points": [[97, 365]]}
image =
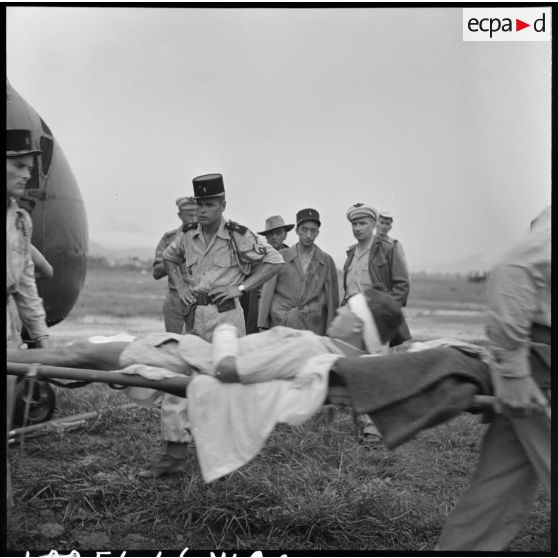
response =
{"points": [[515, 454]]}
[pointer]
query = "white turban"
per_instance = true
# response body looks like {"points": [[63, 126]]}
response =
{"points": [[361, 210], [359, 307]]}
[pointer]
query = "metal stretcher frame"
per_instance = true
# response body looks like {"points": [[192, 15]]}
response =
{"points": [[337, 395]]}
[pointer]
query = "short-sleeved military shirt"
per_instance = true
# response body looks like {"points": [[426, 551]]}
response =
{"points": [[225, 261]]}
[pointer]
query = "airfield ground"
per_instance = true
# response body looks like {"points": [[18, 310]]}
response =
{"points": [[312, 488]]}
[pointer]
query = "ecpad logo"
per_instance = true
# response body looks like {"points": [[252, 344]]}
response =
{"points": [[507, 24]]}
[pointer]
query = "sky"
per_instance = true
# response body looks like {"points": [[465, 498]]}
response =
{"points": [[297, 108]]}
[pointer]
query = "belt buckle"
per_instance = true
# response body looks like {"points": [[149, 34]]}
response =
{"points": [[202, 299]]}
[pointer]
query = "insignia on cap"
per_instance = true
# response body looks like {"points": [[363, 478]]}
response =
{"points": [[361, 210]]}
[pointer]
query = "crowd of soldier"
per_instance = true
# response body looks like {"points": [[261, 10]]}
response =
{"points": [[302, 294]]}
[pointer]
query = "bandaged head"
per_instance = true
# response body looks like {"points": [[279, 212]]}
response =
{"points": [[380, 314]]}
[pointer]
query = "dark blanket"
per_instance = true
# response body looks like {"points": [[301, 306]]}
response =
{"points": [[407, 392]]}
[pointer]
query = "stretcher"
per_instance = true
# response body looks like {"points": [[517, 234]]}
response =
{"points": [[78, 377]]}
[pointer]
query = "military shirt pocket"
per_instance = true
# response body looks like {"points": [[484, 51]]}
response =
{"points": [[191, 260], [224, 260], [379, 260]]}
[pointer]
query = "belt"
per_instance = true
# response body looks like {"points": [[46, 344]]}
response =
{"points": [[203, 299]]}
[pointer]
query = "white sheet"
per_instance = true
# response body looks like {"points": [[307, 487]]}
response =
{"points": [[231, 422]]}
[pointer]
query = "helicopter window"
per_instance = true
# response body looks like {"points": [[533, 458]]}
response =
{"points": [[33, 182], [27, 201], [46, 129], [46, 156]]}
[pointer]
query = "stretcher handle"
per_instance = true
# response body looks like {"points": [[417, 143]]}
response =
{"points": [[482, 403], [174, 386]]}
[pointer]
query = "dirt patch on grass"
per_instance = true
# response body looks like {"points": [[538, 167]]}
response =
{"points": [[424, 323], [81, 328]]}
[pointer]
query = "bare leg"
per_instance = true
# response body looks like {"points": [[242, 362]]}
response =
{"points": [[97, 356]]}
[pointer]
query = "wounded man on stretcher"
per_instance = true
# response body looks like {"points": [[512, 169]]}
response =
{"points": [[239, 388]]}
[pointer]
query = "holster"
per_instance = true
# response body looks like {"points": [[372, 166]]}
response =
{"points": [[226, 306]]}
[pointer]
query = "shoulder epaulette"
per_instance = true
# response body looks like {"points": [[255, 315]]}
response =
{"points": [[233, 226], [189, 226]]}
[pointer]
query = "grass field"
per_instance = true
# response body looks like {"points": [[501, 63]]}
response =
{"points": [[312, 488]]}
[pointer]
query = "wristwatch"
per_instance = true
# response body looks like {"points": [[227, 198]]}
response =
{"points": [[242, 288]]}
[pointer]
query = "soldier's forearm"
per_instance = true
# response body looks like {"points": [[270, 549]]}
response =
{"points": [[159, 271], [173, 271], [264, 272], [400, 291], [96, 356]]}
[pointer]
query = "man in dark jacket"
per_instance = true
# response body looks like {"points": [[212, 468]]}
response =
{"points": [[374, 262], [305, 293]]}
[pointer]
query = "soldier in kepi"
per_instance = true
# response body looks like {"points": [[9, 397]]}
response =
{"points": [[24, 306], [177, 315], [219, 256]]}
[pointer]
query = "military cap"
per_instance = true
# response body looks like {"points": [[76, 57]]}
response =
{"points": [[208, 186], [186, 201], [385, 215], [308, 215], [361, 210], [18, 143], [275, 222]]}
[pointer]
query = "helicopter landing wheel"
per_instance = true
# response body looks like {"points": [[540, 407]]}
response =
{"points": [[42, 402]]}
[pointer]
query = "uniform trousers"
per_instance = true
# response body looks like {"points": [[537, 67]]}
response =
{"points": [[176, 314], [515, 454], [174, 410], [10, 400], [13, 340]]}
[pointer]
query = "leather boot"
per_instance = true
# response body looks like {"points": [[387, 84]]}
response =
{"points": [[172, 462]]}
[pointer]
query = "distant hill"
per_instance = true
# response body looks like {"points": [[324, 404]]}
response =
{"points": [[141, 252], [479, 261]]}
